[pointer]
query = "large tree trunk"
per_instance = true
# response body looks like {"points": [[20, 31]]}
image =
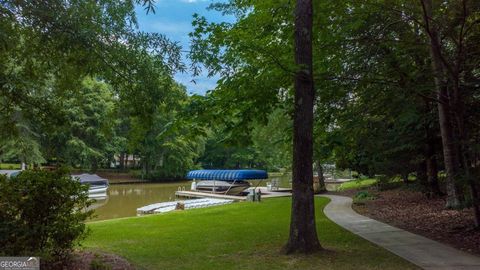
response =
{"points": [[432, 171], [450, 155], [430, 156], [303, 234], [422, 178], [432, 168]]}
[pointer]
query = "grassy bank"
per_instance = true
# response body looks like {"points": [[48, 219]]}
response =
{"points": [[10, 166], [236, 236], [358, 184]]}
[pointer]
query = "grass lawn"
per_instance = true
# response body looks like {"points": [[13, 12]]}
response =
{"points": [[357, 184], [10, 166], [237, 236]]}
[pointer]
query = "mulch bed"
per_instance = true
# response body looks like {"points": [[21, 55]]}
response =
{"points": [[414, 212], [87, 260]]}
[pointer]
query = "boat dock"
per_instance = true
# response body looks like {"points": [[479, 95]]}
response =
{"points": [[204, 199], [280, 192]]}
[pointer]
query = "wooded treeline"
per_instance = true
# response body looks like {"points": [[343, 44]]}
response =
{"points": [[82, 86], [397, 83], [79, 84]]}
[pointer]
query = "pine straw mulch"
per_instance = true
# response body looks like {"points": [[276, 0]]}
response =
{"points": [[88, 260], [414, 212]]}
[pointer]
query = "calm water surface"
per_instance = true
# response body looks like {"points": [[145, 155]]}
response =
{"points": [[124, 199]]}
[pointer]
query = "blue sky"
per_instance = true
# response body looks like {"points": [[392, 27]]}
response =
{"points": [[173, 18]]}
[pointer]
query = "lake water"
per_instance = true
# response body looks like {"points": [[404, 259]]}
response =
{"points": [[124, 199]]}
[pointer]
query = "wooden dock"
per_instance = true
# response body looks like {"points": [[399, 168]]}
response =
{"points": [[281, 192]]}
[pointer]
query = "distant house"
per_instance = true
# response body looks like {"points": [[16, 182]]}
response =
{"points": [[129, 161]]}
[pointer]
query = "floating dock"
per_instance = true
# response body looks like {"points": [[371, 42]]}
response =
{"points": [[186, 204]]}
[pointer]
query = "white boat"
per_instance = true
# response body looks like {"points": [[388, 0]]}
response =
{"points": [[98, 186], [97, 189], [223, 187], [231, 182]]}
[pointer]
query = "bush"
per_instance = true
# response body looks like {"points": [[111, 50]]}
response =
{"points": [[362, 196], [357, 184], [42, 214], [388, 182]]}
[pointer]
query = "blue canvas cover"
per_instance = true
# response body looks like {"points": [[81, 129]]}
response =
{"points": [[227, 175]]}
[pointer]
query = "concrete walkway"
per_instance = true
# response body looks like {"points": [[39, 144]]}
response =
{"points": [[419, 250]]}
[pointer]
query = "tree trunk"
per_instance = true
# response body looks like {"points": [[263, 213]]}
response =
{"points": [[405, 178], [122, 160], [472, 184], [422, 177], [475, 200], [432, 168], [303, 233], [450, 155], [321, 177]]}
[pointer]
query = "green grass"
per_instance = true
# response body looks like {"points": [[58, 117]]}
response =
{"points": [[237, 236], [10, 166], [357, 184], [275, 174]]}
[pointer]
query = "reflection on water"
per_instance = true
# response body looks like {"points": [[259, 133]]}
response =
{"points": [[123, 200]]}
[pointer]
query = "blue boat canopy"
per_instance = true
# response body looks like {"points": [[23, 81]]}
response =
{"points": [[227, 175]]}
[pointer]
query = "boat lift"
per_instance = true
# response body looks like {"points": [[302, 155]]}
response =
{"points": [[230, 176]]}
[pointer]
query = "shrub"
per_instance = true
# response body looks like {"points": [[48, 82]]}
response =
{"points": [[362, 196], [357, 184], [42, 214], [386, 182]]}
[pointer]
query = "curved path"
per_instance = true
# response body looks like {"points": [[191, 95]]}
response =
{"points": [[417, 249]]}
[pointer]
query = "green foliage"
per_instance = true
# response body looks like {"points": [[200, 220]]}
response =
{"points": [[358, 184], [386, 182], [21, 142], [62, 42], [72, 72], [363, 196], [42, 214], [170, 144], [265, 145], [254, 58], [272, 140], [87, 136], [376, 106]]}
